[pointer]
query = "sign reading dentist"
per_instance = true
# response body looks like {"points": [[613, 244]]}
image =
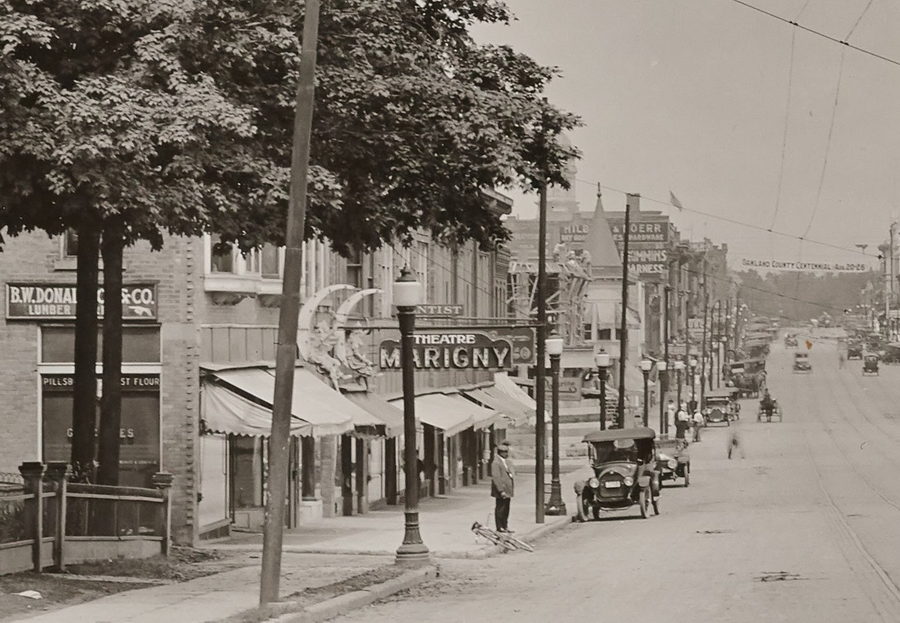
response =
{"points": [[55, 301], [459, 349]]}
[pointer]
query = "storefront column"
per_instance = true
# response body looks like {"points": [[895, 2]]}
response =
{"points": [[430, 467], [480, 454], [328, 452], [346, 475], [441, 458], [390, 470], [308, 468], [362, 476]]}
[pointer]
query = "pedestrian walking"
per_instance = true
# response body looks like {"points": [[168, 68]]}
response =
{"points": [[671, 414], [683, 422], [698, 422], [734, 441], [503, 476]]}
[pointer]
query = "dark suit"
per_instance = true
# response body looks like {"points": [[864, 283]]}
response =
{"points": [[502, 490]]}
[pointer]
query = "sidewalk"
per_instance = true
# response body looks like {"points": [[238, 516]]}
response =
{"points": [[324, 553], [445, 524]]}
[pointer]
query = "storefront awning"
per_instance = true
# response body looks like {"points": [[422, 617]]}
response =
{"points": [[496, 400], [324, 410], [225, 411], [440, 411], [389, 418], [482, 417], [507, 386]]}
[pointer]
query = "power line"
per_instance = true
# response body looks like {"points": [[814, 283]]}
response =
{"points": [[834, 107], [858, 20], [736, 222], [843, 42], [787, 117]]}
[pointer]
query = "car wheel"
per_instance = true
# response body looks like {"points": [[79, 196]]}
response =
{"points": [[656, 505], [595, 512], [687, 476], [644, 502], [584, 508]]}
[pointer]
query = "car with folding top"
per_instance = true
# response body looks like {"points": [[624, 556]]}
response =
{"points": [[623, 464], [801, 363], [718, 407]]}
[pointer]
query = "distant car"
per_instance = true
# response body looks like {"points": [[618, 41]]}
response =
{"points": [[718, 408], [801, 363], [673, 461], [870, 365], [790, 341], [854, 350], [624, 462]]}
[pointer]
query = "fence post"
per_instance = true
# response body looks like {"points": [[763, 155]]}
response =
{"points": [[32, 473], [58, 472], [163, 482]]}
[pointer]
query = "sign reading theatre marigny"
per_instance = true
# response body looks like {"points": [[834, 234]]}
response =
{"points": [[56, 301], [461, 348]]}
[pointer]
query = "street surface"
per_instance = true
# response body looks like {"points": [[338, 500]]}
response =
{"points": [[805, 528]]}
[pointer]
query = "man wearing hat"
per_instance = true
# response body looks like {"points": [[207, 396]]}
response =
{"points": [[503, 475]]}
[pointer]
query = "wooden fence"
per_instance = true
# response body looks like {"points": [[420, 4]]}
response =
{"points": [[45, 521]]}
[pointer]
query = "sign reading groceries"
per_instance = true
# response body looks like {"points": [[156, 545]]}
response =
{"points": [[461, 349], [53, 301]]}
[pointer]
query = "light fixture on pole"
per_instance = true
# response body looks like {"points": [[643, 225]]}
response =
{"points": [[646, 365], [601, 360], [407, 293], [661, 368], [555, 506]]}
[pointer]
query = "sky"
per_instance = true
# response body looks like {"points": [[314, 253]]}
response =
{"points": [[692, 97]]}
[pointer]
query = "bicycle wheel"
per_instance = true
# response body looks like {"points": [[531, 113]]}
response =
{"points": [[489, 535], [519, 544]]}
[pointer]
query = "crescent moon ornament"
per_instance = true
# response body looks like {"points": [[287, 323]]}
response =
{"points": [[343, 312], [308, 311]]}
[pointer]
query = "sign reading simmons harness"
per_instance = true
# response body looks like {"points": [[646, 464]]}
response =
{"points": [[54, 301], [461, 349]]}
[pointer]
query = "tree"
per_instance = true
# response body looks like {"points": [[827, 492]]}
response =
{"points": [[143, 118]]}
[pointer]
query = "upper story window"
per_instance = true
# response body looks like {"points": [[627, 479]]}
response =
{"points": [[266, 262], [70, 243]]}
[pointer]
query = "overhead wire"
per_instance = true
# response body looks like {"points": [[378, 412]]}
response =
{"points": [[784, 136], [818, 33], [855, 251], [858, 20]]}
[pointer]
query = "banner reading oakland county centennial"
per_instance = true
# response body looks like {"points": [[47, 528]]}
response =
{"points": [[807, 267]]}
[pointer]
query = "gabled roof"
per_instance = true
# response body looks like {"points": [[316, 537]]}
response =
{"points": [[599, 242]]}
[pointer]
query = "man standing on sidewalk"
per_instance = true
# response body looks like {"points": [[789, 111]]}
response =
{"points": [[503, 476]]}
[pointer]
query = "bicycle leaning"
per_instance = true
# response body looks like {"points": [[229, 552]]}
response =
{"points": [[502, 539]]}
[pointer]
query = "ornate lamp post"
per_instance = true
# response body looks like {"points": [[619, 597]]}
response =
{"points": [[663, 422], [693, 383], [679, 366], [601, 359], [555, 506], [646, 364], [406, 295]]}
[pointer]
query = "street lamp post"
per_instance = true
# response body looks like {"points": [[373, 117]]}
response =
{"points": [[601, 359], [646, 364], [679, 366], [406, 295], [693, 383], [555, 506], [661, 368]]}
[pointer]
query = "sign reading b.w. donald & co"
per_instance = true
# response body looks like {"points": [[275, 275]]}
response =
{"points": [[56, 301], [460, 349]]}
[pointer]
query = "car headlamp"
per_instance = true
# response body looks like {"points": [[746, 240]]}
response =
{"points": [[593, 483], [673, 463], [629, 481]]}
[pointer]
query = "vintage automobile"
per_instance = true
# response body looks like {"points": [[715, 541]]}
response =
{"points": [[718, 407], [790, 341], [854, 350], [763, 415], [623, 461], [801, 363], [870, 365], [747, 376], [673, 461]]}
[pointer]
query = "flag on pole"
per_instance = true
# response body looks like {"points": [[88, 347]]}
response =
{"points": [[809, 345], [674, 201]]}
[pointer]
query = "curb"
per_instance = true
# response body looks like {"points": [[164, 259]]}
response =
{"points": [[357, 599], [531, 535]]}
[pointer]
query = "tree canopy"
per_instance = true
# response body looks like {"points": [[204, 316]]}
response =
{"points": [[176, 115]]}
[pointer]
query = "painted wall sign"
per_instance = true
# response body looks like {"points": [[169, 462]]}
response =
{"points": [[54, 301], [461, 349], [804, 267], [640, 231]]}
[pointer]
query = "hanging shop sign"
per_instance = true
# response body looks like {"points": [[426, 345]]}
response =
{"points": [[804, 267], [54, 301], [464, 349]]}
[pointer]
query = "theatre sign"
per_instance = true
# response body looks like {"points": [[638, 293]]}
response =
{"points": [[461, 349], [56, 301]]}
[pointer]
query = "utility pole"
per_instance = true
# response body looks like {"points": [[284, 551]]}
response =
{"points": [[703, 344], [664, 386], [623, 321], [285, 357], [540, 372]]}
